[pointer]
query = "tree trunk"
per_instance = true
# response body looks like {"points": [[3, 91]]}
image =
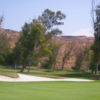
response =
{"points": [[80, 69], [87, 68], [53, 68], [96, 69], [23, 67], [30, 62], [29, 68], [63, 66], [92, 71]]}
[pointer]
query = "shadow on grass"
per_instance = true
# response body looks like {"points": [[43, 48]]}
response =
{"points": [[9, 67], [81, 75], [73, 75], [50, 70], [58, 73]]}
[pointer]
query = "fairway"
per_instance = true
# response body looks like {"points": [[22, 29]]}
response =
{"points": [[50, 91]]}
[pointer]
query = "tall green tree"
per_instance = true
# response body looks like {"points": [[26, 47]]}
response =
{"points": [[81, 56], [50, 19], [53, 58], [4, 43], [30, 43], [4, 47], [87, 54], [35, 36], [79, 60], [92, 62], [96, 46]]}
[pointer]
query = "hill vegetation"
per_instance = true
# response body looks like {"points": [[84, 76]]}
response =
{"points": [[80, 41], [38, 44]]}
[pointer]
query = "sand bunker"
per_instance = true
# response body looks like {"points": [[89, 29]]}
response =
{"points": [[29, 78]]}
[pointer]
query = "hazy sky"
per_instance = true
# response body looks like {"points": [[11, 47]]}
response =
{"points": [[78, 18]]}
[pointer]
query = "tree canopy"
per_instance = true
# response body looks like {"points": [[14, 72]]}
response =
{"points": [[4, 44]]}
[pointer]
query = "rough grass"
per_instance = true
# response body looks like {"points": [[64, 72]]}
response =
{"points": [[8, 71], [50, 91], [71, 73]]}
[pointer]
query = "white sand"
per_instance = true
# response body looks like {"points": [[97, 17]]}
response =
{"points": [[29, 78]]}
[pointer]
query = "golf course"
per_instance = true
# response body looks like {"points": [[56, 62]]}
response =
{"points": [[47, 90], [50, 91], [50, 50]]}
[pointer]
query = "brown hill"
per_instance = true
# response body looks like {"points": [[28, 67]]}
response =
{"points": [[12, 34], [80, 42]]}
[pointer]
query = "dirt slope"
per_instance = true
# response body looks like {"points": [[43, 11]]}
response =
{"points": [[80, 42]]}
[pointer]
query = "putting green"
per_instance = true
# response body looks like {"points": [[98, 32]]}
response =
{"points": [[50, 91]]}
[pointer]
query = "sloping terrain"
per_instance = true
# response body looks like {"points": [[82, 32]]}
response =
{"points": [[80, 42], [12, 34]]}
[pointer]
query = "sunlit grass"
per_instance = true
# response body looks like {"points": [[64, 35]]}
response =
{"points": [[50, 91]]}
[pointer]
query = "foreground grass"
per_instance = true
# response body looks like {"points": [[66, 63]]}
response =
{"points": [[50, 91]]}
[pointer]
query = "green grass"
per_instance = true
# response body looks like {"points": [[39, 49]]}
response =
{"points": [[71, 73], [50, 91], [8, 71]]}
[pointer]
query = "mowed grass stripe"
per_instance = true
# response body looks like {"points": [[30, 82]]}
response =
{"points": [[50, 91]]}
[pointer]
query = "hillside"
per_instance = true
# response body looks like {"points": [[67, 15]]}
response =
{"points": [[11, 33], [80, 42]]}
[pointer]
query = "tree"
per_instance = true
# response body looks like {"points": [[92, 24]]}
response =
{"points": [[50, 19], [4, 43], [92, 62], [96, 46], [87, 54], [35, 36], [1, 20], [30, 43], [67, 53], [82, 56], [79, 60], [53, 58]]}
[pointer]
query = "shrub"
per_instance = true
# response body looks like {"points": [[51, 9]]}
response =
{"points": [[45, 64]]}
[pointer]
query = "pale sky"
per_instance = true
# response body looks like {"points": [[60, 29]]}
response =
{"points": [[78, 18]]}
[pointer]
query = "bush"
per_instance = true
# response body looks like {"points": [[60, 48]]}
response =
{"points": [[74, 68], [45, 64], [35, 62]]}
